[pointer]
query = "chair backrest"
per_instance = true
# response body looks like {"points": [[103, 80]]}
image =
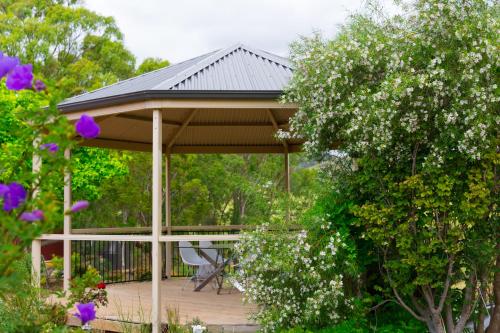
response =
{"points": [[208, 248], [189, 255]]}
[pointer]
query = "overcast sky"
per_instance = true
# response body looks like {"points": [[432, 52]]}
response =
{"points": [[181, 29]]}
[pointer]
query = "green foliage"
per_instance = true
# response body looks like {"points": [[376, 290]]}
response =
{"points": [[24, 309], [174, 321], [84, 289], [73, 48], [389, 319], [92, 167], [413, 102], [151, 64], [205, 189]]}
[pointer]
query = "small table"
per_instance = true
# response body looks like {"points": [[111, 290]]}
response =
{"points": [[218, 267]]}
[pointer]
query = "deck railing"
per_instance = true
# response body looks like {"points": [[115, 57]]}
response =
{"points": [[123, 261]]}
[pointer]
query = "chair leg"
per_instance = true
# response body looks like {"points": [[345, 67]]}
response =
{"points": [[189, 279]]}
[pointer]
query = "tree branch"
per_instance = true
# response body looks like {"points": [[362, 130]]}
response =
{"points": [[429, 298], [414, 159], [447, 283], [450, 324], [468, 305], [399, 299]]}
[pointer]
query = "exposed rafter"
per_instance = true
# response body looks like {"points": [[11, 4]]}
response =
{"points": [[276, 128], [201, 124], [180, 130]]}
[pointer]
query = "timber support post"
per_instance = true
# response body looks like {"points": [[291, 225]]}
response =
{"points": [[156, 222]]}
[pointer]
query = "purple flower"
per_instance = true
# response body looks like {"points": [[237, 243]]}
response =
{"points": [[3, 189], [21, 77], [35, 215], [39, 85], [7, 64], [51, 147], [87, 127], [86, 312], [79, 205], [13, 195]]}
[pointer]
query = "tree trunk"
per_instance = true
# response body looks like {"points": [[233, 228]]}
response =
{"points": [[236, 218], [480, 325], [435, 325], [495, 316]]}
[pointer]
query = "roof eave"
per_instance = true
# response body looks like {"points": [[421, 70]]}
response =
{"points": [[166, 94]]}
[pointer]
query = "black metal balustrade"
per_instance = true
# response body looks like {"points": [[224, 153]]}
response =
{"points": [[115, 261], [119, 261]]}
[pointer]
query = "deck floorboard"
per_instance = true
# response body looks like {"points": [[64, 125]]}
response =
{"points": [[127, 300]]}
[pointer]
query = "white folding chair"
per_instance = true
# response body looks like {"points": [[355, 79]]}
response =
{"points": [[208, 248], [191, 258], [210, 251]]}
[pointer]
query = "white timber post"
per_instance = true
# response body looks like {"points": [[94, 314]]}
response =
{"points": [[36, 261], [287, 182], [287, 171], [67, 225], [36, 245], [157, 222], [168, 223]]}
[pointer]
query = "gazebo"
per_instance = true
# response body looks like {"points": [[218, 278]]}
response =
{"points": [[224, 102]]}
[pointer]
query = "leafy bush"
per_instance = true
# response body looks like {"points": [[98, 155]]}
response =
{"points": [[88, 288], [293, 277], [391, 320], [24, 308]]}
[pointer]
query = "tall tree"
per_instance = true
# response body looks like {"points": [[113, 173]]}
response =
{"points": [[73, 48], [414, 100]]}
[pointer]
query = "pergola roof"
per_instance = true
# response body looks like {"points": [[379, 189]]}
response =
{"points": [[225, 101]]}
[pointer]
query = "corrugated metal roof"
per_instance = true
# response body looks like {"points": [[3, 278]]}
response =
{"points": [[237, 71]]}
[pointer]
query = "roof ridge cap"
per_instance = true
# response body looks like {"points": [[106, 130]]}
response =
{"points": [[269, 56], [190, 71]]}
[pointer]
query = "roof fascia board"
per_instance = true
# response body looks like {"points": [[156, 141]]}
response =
{"points": [[162, 94]]}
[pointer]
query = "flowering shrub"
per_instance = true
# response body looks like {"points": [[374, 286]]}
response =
{"points": [[292, 277], [30, 204], [88, 288], [414, 101]]}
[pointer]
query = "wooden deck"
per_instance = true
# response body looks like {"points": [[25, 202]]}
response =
{"points": [[132, 301]]}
